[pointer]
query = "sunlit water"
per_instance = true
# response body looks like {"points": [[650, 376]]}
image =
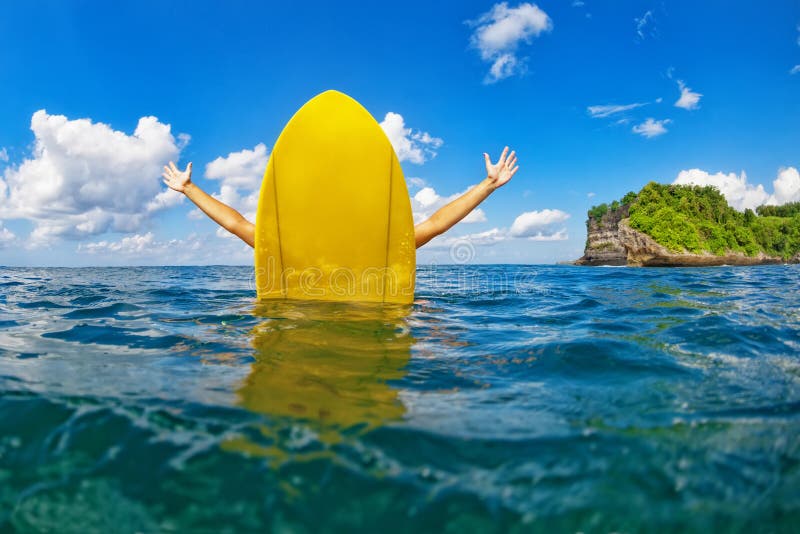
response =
{"points": [[506, 399]]}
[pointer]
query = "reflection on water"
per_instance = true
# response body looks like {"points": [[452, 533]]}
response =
{"points": [[328, 365]]}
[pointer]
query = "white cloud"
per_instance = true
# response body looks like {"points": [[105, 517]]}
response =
{"points": [[786, 187], [409, 145], [243, 169], [651, 128], [688, 99], [3, 154], [426, 201], [6, 236], [196, 214], [795, 69], [606, 110], [165, 199], [183, 140], [590, 194], [740, 194], [84, 178], [735, 188], [486, 238], [147, 249], [416, 182], [544, 225], [642, 24], [578, 3], [499, 33], [134, 244], [240, 175]]}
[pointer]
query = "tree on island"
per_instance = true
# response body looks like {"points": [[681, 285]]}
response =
{"points": [[697, 219]]}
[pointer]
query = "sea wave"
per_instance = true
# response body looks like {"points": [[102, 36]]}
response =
{"points": [[507, 398]]}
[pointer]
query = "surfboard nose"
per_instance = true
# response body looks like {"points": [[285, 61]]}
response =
{"points": [[333, 97]]}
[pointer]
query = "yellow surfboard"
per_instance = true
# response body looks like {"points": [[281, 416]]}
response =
{"points": [[334, 216]]}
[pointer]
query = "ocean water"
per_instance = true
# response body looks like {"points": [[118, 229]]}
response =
{"points": [[506, 399]]}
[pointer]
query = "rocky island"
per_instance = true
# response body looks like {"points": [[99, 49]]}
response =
{"points": [[684, 225]]}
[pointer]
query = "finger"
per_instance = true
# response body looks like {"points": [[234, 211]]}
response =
{"points": [[488, 161], [166, 176], [511, 161], [511, 156], [173, 167], [167, 170], [166, 182], [189, 167], [503, 156], [513, 172]]}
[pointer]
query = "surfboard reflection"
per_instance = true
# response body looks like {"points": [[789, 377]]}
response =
{"points": [[327, 366]]}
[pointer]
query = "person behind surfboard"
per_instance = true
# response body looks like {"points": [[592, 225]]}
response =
{"points": [[497, 174]]}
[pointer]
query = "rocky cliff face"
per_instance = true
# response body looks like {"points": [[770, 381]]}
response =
{"points": [[611, 241], [604, 245]]}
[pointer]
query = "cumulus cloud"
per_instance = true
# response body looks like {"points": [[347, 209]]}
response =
{"points": [[240, 174], [644, 25], [688, 99], [3, 154], [486, 238], [6, 236], [416, 182], [735, 188], [147, 249], [84, 178], [544, 225], [795, 69], [426, 201], [742, 195], [499, 33], [243, 169], [651, 127], [607, 110], [134, 244], [164, 199], [786, 187], [409, 145]]}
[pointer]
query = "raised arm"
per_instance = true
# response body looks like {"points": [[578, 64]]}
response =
{"points": [[447, 216], [222, 214]]}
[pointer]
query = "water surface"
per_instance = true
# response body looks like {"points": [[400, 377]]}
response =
{"points": [[506, 399]]}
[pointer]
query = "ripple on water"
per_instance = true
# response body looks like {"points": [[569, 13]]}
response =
{"points": [[114, 335], [507, 399]]}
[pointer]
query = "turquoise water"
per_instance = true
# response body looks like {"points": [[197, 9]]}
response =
{"points": [[506, 399]]}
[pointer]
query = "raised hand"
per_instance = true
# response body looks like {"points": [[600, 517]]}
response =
{"points": [[177, 179], [501, 172]]}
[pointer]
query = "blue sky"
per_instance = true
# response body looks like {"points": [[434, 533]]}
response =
{"points": [[228, 76]]}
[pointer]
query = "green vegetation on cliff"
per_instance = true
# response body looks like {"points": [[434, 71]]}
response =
{"points": [[787, 210], [689, 218]]}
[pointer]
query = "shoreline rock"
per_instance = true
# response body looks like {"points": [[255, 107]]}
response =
{"points": [[611, 241]]}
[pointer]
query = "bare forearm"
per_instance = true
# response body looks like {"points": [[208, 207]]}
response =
{"points": [[222, 214], [447, 216]]}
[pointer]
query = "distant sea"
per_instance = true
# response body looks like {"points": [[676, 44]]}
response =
{"points": [[506, 399]]}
